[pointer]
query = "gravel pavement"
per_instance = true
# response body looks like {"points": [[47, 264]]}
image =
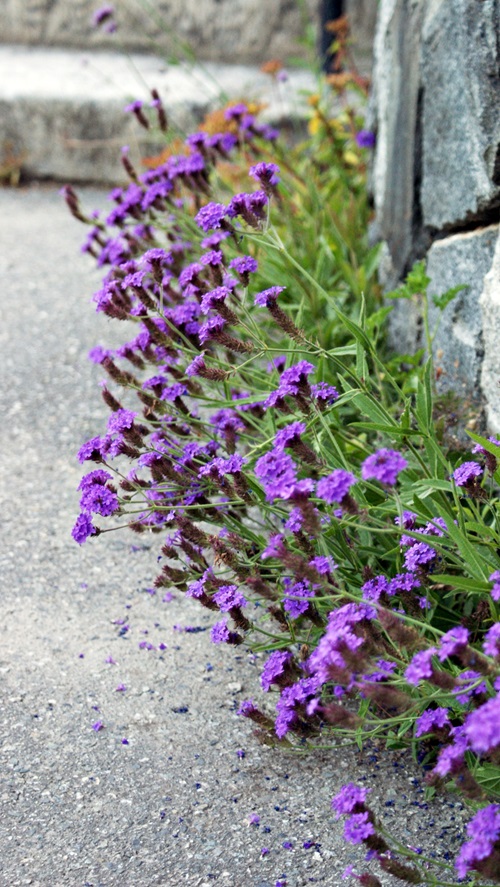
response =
{"points": [[169, 806]]}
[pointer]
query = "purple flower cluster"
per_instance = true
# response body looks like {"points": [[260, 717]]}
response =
{"points": [[297, 597], [278, 473], [274, 668], [227, 596], [336, 486], [293, 382], [495, 591], [482, 727], [265, 298], [467, 473], [328, 660], [384, 466], [484, 834]]}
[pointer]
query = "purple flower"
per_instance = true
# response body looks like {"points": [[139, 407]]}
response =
{"points": [[253, 819], [466, 473], [190, 273], [289, 434], [323, 565], [296, 599], [274, 668], [239, 205], [275, 547], [420, 667], [227, 597], [213, 240], [407, 520], [265, 173], [477, 448], [297, 374], [384, 466], [244, 265], [83, 528], [453, 642], [495, 591], [365, 139], [210, 216], [470, 684], [277, 363], [211, 326], [374, 588], [103, 14], [213, 258], [121, 688], [220, 633], [335, 487], [213, 298], [295, 520], [246, 708], [403, 582], [484, 832], [429, 720], [278, 474], [491, 644], [99, 499], [358, 828], [451, 757], [324, 393], [266, 297], [419, 556], [97, 726], [297, 694], [235, 111], [349, 799], [120, 421], [196, 365], [90, 450], [482, 726]]}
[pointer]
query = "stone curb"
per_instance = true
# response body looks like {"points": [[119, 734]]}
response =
{"points": [[61, 111]]}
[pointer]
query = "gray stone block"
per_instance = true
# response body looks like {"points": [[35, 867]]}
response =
{"points": [[458, 345], [490, 311], [396, 101], [460, 120], [236, 31]]}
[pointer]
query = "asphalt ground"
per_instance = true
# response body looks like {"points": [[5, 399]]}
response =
{"points": [[81, 807]]}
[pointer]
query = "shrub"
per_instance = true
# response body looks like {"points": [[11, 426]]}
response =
{"points": [[291, 468]]}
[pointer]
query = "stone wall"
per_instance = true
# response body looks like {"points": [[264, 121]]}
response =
{"points": [[244, 31], [436, 178]]}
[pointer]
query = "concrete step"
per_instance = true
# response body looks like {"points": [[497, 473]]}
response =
{"points": [[62, 111]]}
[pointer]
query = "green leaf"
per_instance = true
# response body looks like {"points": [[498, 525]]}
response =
{"points": [[487, 445], [385, 429], [442, 301], [370, 408], [461, 582], [488, 776]]}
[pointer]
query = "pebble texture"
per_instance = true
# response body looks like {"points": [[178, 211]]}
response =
{"points": [[78, 807]]}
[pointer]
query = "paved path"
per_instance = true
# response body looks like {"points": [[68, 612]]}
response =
{"points": [[81, 808]]}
